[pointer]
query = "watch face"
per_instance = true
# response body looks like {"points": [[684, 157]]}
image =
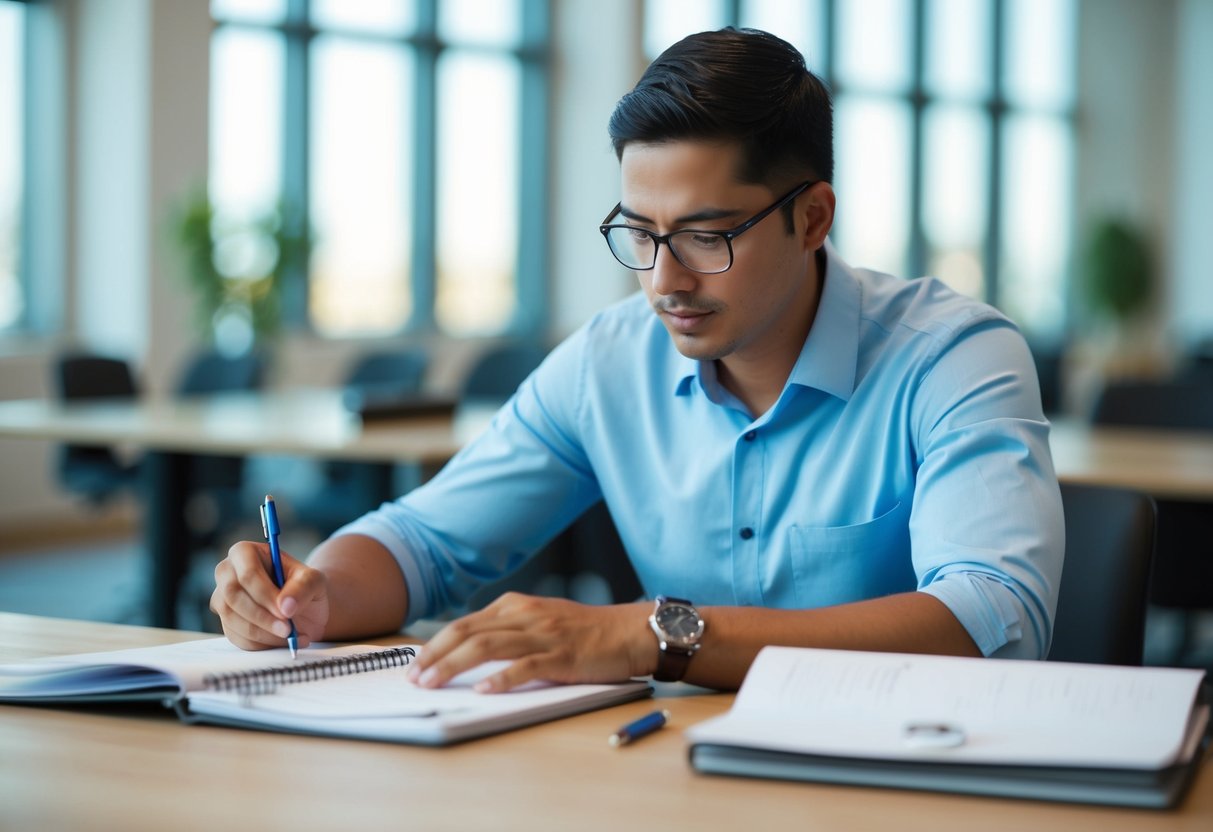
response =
{"points": [[681, 624]]}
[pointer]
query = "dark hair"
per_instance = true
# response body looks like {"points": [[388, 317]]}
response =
{"points": [[740, 85]]}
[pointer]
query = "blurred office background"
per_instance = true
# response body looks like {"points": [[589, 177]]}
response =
{"points": [[447, 163]]}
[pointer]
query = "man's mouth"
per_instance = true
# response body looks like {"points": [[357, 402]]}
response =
{"points": [[685, 320]]}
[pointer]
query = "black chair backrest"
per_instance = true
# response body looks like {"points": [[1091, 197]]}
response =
{"points": [[1101, 607], [213, 372], [399, 371], [497, 373], [81, 376], [93, 471]]}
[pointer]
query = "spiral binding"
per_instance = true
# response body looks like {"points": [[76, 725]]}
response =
{"points": [[266, 680]]}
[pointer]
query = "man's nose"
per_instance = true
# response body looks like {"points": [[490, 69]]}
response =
{"points": [[669, 275]]}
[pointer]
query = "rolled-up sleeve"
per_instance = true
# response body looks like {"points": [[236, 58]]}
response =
{"points": [[498, 501], [987, 526]]}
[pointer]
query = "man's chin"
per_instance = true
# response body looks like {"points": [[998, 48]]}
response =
{"points": [[697, 347]]}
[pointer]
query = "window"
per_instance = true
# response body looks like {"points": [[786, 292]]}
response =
{"points": [[12, 164], [954, 133], [402, 132]]}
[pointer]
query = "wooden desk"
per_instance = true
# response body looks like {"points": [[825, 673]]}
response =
{"points": [[310, 423], [1164, 463], [140, 769], [302, 422]]}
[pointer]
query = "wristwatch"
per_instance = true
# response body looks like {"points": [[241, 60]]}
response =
{"points": [[679, 629]]}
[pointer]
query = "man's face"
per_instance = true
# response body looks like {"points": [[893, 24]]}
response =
{"points": [[761, 308]]}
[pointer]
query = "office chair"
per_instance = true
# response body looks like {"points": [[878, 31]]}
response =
{"points": [[1182, 574], [95, 472], [214, 372], [1049, 360], [497, 372], [350, 489], [1101, 606], [214, 483]]}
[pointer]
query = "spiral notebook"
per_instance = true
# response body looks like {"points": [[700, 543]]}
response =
{"points": [[350, 691]]}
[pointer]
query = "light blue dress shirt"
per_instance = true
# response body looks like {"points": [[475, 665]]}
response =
{"points": [[907, 451]]}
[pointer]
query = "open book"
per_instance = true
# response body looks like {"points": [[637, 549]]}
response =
{"points": [[353, 691], [1046, 730]]}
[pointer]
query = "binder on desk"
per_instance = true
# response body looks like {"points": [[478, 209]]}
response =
{"points": [[1126, 736], [376, 404], [351, 691]]}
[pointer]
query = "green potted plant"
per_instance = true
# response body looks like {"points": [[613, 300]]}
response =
{"points": [[1116, 286], [237, 269], [1118, 271]]}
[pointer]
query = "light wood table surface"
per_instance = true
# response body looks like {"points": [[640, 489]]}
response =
{"points": [[301, 422], [138, 768], [305, 422], [1169, 464]]}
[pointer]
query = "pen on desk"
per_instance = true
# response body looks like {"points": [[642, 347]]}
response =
{"points": [[640, 728], [269, 525]]}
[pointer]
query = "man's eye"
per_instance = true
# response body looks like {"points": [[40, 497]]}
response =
{"points": [[706, 241], [637, 235]]}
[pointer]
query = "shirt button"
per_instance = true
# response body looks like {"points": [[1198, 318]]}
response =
{"points": [[749, 435], [746, 532]]}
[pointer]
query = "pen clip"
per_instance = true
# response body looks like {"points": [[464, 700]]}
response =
{"points": [[265, 525]]}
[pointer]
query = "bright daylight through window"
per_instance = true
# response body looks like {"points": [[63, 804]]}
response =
{"points": [[12, 56], [394, 127], [946, 163]]}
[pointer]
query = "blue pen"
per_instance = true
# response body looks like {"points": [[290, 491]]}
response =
{"points": [[269, 525], [640, 728]]}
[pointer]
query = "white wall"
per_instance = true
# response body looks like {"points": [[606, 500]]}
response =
{"points": [[1126, 118], [598, 57], [1190, 307]]}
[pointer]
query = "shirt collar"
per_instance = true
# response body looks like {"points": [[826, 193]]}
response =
{"points": [[830, 356]]}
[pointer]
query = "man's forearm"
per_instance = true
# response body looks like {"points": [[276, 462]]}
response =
{"points": [[912, 622], [367, 592]]}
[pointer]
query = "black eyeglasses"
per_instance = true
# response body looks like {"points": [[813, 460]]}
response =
{"points": [[706, 252]]}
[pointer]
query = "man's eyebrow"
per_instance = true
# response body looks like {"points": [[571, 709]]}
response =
{"points": [[698, 216]]}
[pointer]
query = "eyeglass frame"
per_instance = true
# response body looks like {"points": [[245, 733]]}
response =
{"points": [[728, 235]]}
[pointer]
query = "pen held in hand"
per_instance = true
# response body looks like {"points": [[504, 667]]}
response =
{"points": [[640, 728], [269, 525]]}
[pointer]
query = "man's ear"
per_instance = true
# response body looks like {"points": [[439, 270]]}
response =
{"points": [[817, 207]]}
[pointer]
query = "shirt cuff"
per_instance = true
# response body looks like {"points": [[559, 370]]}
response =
{"points": [[991, 613]]}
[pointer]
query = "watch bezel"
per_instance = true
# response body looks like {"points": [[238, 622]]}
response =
{"points": [[667, 641]]}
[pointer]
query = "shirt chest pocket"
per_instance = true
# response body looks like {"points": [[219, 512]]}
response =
{"points": [[839, 564]]}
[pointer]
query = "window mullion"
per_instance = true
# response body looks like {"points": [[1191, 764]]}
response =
{"points": [[424, 164], [297, 34], [532, 266], [998, 107], [917, 255]]}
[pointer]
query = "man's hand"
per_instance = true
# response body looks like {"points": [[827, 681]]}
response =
{"points": [[254, 612], [548, 638]]}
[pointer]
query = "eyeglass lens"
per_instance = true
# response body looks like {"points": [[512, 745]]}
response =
{"points": [[697, 250]]}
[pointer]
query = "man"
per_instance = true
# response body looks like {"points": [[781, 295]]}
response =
{"points": [[814, 454]]}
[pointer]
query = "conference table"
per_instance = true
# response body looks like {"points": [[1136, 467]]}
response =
{"points": [[315, 423], [136, 767]]}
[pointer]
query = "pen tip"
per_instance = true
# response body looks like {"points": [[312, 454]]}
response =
{"points": [[294, 648], [614, 739], [269, 498]]}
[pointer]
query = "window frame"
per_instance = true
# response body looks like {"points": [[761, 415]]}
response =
{"points": [[533, 55]]}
